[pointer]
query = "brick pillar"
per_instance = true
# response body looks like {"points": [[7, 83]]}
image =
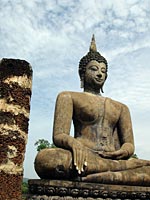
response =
{"points": [[15, 94]]}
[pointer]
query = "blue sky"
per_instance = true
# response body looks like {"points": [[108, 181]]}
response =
{"points": [[54, 34]]}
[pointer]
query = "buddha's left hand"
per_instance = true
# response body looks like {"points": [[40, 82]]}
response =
{"points": [[119, 154]]}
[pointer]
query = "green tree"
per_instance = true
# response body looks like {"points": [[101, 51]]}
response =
{"points": [[42, 144], [24, 188], [52, 145], [134, 156]]}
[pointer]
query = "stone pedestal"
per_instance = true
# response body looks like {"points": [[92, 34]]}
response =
{"points": [[15, 93], [74, 190]]}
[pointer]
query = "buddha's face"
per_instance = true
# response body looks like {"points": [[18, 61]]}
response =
{"points": [[95, 73]]}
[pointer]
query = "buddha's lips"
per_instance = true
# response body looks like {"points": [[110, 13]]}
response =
{"points": [[99, 80]]}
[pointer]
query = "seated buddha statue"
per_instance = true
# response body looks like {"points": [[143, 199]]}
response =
{"points": [[103, 141]]}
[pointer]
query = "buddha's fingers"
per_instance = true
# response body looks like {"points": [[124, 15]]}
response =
{"points": [[86, 158], [79, 160], [75, 157], [77, 154], [82, 160], [79, 157], [85, 163]]}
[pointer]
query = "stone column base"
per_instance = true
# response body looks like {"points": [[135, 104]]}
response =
{"points": [[74, 190]]}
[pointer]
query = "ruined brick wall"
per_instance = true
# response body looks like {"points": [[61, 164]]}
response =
{"points": [[15, 94]]}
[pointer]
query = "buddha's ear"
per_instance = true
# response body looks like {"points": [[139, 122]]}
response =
{"points": [[103, 83], [106, 76], [82, 82], [102, 89]]}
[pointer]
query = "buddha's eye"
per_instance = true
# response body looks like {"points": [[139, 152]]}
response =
{"points": [[103, 70], [94, 68]]}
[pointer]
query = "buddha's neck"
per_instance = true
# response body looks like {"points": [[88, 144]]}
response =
{"points": [[92, 90]]}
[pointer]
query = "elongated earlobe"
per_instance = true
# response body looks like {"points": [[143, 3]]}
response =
{"points": [[102, 89], [103, 84], [82, 83]]}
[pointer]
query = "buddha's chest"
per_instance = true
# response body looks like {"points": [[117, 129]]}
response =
{"points": [[89, 109], [95, 109]]}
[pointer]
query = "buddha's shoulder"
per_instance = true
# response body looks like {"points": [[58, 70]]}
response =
{"points": [[77, 96], [84, 96], [70, 94], [116, 104]]}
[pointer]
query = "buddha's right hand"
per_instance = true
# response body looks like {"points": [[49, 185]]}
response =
{"points": [[80, 156]]}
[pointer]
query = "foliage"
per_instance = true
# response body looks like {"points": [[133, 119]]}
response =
{"points": [[24, 188], [52, 145], [134, 156], [42, 144]]}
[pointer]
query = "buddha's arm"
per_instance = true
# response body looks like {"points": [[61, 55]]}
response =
{"points": [[62, 121], [125, 131], [61, 130]]}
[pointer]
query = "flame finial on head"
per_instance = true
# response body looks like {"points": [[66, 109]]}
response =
{"points": [[93, 45]]}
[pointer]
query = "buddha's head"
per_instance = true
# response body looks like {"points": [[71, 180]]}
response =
{"points": [[93, 64]]}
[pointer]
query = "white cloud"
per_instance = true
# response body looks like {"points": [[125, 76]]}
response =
{"points": [[132, 71]]}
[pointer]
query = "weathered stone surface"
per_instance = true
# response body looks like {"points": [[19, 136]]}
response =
{"points": [[15, 94], [60, 189], [103, 141], [10, 186]]}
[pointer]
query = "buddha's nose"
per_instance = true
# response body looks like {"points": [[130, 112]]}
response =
{"points": [[99, 75]]}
